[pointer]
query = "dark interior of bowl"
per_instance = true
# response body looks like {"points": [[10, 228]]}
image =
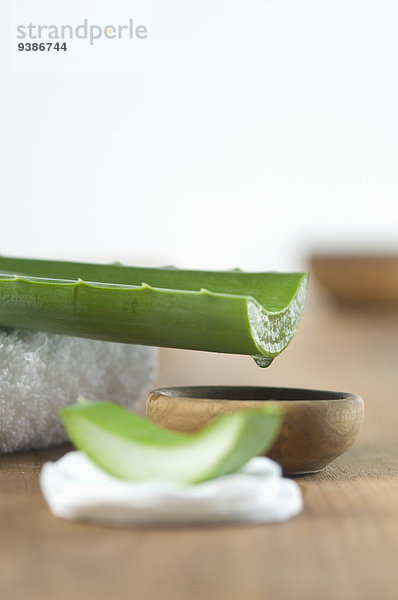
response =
{"points": [[247, 393]]}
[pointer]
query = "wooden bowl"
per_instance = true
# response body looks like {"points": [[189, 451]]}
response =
{"points": [[318, 426], [358, 279]]}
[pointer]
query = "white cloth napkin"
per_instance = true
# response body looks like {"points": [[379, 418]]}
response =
{"points": [[75, 488]]}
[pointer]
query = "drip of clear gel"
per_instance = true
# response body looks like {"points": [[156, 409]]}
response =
{"points": [[262, 361]]}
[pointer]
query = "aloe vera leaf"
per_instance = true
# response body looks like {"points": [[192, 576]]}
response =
{"points": [[230, 311], [130, 447]]}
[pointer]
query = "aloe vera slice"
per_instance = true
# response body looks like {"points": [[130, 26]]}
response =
{"points": [[130, 447], [227, 311]]}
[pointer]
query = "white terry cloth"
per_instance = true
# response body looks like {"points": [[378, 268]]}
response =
{"points": [[75, 488], [42, 372]]}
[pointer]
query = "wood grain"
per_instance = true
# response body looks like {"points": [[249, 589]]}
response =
{"points": [[343, 546], [315, 429]]}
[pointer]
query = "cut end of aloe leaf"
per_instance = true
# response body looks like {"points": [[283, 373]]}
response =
{"points": [[130, 447], [272, 331]]}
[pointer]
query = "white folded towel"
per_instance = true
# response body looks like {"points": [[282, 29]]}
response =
{"points": [[75, 488], [42, 372]]}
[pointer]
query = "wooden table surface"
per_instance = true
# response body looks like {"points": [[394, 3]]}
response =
{"points": [[344, 545]]}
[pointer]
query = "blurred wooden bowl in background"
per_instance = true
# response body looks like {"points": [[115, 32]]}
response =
{"points": [[359, 279]]}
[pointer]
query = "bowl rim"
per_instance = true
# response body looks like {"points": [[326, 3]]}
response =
{"points": [[212, 393]]}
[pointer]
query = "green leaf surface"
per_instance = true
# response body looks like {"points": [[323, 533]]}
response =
{"points": [[130, 447], [220, 311]]}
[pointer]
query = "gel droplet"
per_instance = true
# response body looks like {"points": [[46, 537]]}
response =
{"points": [[262, 361]]}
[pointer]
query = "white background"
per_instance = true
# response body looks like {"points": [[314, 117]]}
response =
{"points": [[245, 133]]}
